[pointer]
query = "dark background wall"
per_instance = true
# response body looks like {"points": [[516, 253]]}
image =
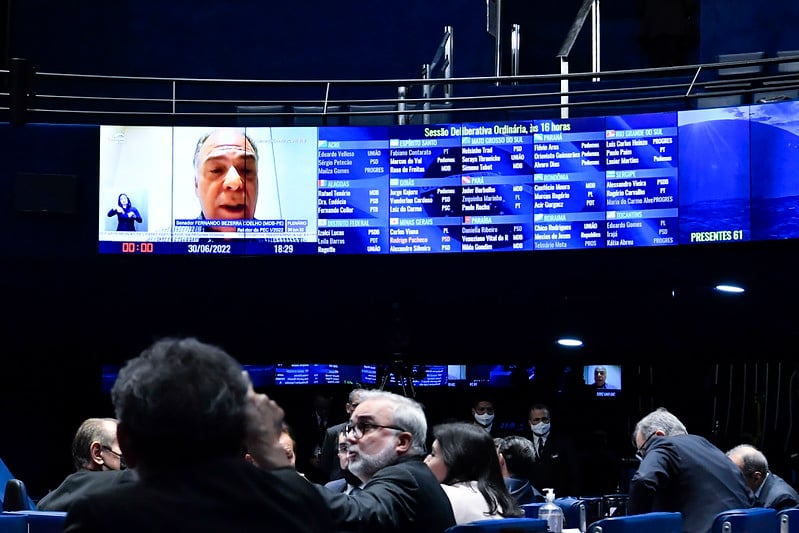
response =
{"points": [[68, 311]]}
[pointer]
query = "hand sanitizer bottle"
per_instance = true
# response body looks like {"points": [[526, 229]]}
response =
{"points": [[551, 512]]}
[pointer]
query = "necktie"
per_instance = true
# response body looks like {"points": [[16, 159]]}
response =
{"points": [[540, 448]]}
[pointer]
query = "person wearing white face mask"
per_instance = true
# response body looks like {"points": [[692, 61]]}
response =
{"points": [[555, 454], [483, 415]]}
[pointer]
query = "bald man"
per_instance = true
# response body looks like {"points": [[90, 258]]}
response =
{"points": [[769, 489], [226, 177]]}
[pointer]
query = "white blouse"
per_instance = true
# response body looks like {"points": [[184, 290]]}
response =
{"points": [[468, 505]]}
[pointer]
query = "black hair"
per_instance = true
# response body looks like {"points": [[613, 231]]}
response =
{"points": [[470, 455], [183, 395]]}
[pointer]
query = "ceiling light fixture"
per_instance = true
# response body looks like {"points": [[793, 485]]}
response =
{"points": [[730, 289], [570, 342]]}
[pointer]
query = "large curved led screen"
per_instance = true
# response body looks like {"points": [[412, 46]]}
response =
{"points": [[656, 179]]}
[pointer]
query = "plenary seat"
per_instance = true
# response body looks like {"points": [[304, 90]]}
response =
{"points": [[531, 509], [502, 525], [40, 521], [573, 512], [789, 520], [752, 520], [12, 523], [656, 522], [15, 496]]}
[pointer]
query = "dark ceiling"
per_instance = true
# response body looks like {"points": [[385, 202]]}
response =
{"points": [[642, 305], [630, 305]]}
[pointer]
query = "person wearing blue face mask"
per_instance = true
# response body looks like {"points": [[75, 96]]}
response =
{"points": [[556, 461]]}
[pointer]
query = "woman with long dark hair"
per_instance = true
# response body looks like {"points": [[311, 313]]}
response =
{"points": [[126, 214], [464, 460]]}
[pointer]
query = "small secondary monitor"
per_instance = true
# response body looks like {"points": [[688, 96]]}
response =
{"points": [[604, 379]]}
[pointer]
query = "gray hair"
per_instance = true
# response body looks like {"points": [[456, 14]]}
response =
{"points": [[185, 395], [752, 459], [659, 419], [355, 393], [91, 430], [204, 137], [408, 414]]}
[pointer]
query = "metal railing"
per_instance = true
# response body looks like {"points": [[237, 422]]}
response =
{"points": [[92, 99]]}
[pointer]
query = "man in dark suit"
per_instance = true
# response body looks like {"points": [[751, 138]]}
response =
{"points": [[83, 483], [186, 414], [683, 473], [517, 459], [310, 427], [328, 460], [556, 461], [99, 465], [386, 447], [769, 489]]}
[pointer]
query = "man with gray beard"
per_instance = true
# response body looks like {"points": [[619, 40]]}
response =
{"points": [[386, 447]]}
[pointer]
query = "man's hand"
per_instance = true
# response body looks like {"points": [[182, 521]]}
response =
{"points": [[264, 424]]}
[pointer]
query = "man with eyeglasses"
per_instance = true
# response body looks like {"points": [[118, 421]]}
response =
{"points": [[99, 465], [385, 449], [768, 489], [685, 473], [556, 461]]}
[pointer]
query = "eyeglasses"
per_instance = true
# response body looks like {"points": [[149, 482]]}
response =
{"points": [[544, 419], [482, 410], [639, 452], [122, 464], [359, 428]]}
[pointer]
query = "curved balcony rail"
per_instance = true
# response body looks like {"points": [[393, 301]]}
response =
{"points": [[46, 97]]}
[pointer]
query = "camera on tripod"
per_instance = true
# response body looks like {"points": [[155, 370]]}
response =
{"points": [[401, 373]]}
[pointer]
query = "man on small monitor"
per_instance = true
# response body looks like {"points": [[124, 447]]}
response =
{"points": [[600, 379], [226, 176]]}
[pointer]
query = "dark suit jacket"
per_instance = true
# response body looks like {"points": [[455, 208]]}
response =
{"points": [[222, 495], [558, 467], [337, 485], [328, 461], [81, 483], [523, 491], [687, 474], [402, 497], [777, 494]]}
